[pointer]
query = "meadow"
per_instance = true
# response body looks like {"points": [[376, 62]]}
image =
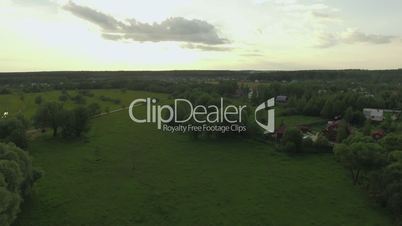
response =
{"points": [[133, 174], [24, 103]]}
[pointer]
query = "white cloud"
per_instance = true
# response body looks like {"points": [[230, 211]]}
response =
{"points": [[352, 36], [176, 29]]}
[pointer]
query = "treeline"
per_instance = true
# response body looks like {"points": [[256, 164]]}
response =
{"points": [[375, 76], [330, 100], [164, 81]]}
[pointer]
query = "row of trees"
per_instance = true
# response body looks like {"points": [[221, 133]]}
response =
{"points": [[72, 123], [377, 167], [17, 177]]}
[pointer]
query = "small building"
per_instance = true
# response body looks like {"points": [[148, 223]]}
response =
{"points": [[374, 114], [281, 99]]}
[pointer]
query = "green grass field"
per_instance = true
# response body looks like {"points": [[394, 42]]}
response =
{"points": [[14, 104], [133, 174]]}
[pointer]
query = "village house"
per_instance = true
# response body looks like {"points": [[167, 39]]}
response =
{"points": [[378, 115], [374, 114]]}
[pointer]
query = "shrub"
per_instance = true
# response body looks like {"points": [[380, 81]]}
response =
{"points": [[292, 141]]}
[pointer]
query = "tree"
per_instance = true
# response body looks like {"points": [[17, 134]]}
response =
{"points": [[342, 132], [388, 124], [79, 99], [38, 100], [392, 142], [82, 118], [14, 130], [63, 98], [17, 177], [322, 143], [348, 115], [327, 110], [292, 141], [75, 122], [367, 128], [94, 109], [360, 157], [49, 115]]}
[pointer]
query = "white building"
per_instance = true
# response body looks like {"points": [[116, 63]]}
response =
{"points": [[379, 114], [374, 114]]}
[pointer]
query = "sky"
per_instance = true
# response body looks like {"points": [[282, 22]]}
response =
{"points": [[61, 35]]}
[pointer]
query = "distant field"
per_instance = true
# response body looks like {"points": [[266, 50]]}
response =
{"points": [[133, 174]]}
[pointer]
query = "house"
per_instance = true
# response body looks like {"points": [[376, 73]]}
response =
{"points": [[378, 115], [281, 99], [374, 114]]}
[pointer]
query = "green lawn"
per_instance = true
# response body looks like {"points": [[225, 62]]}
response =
{"points": [[298, 120], [133, 174]]}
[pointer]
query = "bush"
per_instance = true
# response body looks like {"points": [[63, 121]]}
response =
{"points": [[79, 99], [292, 141], [38, 100], [94, 109], [63, 98], [322, 144]]}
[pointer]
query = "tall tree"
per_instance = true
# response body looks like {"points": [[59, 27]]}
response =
{"points": [[49, 115]]}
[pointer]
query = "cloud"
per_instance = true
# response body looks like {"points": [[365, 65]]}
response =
{"points": [[326, 40], [352, 36], [50, 4], [206, 47], [175, 29], [355, 36], [324, 14]]}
